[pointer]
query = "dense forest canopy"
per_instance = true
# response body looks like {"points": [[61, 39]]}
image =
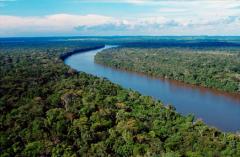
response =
{"points": [[209, 67], [48, 109]]}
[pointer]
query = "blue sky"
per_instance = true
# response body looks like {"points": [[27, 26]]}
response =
{"points": [[115, 17]]}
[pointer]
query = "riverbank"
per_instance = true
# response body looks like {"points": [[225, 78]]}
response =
{"points": [[229, 95], [208, 68], [64, 55], [46, 110], [186, 100]]}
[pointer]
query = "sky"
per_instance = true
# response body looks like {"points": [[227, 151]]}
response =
{"points": [[119, 17]]}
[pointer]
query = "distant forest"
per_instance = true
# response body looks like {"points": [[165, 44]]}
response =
{"points": [[211, 67]]}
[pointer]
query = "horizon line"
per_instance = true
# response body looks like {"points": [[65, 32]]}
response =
{"points": [[82, 36]]}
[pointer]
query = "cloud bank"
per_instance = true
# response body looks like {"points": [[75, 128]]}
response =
{"points": [[64, 24], [184, 17], [57, 23]]}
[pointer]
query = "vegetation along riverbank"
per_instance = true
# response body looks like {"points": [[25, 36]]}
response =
{"points": [[48, 109], [213, 68]]}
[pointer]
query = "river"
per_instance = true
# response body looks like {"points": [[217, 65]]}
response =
{"points": [[217, 109]]}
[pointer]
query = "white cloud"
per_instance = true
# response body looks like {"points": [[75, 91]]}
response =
{"points": [[51, 23], [165, 26], [67, 24], [52, 20]]}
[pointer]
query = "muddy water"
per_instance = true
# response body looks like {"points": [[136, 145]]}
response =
{"points": [[217, 109]]}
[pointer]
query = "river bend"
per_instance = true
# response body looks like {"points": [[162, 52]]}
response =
{"points": [[217, 109]]}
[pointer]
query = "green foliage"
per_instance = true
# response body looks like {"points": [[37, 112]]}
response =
{"points": [[48, 110], [214, 68], [33, 149]]}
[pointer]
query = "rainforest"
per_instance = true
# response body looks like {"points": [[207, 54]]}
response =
{"points": [[208, 67], [50, 109]]}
